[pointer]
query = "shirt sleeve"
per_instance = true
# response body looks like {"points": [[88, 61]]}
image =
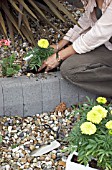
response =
{"points": [[99, 34], [74, 33]]}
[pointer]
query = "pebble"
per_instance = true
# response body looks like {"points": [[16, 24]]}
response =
{"points": [[9, 129], [7, 167], [25, 139], [53, 156], [28, 75], [62, 163], [59, 114], [59, 168]]}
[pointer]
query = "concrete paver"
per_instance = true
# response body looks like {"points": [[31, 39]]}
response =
{"points": [[1, 101], [26, 97], [50, 93], [13, 99], [32, 96]]}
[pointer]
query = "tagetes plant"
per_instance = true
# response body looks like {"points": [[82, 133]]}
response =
{"points": [[9, 67], [38, 54], [91, 135], [43, 43]]}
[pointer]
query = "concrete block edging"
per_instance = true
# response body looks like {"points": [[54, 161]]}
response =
{"points": [[22, 96]]}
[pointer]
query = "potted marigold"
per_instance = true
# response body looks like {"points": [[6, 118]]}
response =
{"points": [[35, 57], [90, 141]]}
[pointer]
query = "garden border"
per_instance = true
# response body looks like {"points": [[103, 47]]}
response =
{"points": [[23, 96]]}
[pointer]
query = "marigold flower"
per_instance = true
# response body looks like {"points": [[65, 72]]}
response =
{"points": [[109, 124], [43, 43], [101, 100], [88, 128], [94, 117], [100, 110]]}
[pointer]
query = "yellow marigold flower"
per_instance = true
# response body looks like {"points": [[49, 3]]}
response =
{"points": [[94, 117], [101, 100], [88, 128], [109, 124], [43, 43], [100, 110]]}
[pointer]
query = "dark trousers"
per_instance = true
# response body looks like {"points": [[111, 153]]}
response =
{"points": [[91, 71]]}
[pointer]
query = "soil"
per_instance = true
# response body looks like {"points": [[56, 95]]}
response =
{"points": [[92, 164]]}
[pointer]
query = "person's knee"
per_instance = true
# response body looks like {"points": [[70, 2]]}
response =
{"points": [[72, 68], [64, 69], [73, 73]]}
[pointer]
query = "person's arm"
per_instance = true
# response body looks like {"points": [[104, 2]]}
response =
{"points": [[73, 33], [65, 53], [85, 23], [53, 62], [99, 34], [62, 43]]}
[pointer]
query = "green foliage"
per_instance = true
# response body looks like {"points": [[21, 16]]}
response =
{"points": [[9, 68], [96, 146], [14, 146], [38, 56]]}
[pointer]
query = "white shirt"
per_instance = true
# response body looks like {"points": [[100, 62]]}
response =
{"points": [[93, 32]]}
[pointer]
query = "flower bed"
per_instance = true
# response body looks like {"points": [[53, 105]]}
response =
{"points": [[91, 136], [22, 47]]}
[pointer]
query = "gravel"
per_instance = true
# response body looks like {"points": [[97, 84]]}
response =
{"points": [[21, 136]]}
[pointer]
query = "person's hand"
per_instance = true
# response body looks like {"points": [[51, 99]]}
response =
{"points": [[55, 47], [49, 64]]}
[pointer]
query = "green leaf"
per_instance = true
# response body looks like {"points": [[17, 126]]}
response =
{"points": [[11, 59], [39, 55], [5, 61], [92, 141], [88, 147], [16, 67], [8, 66], [14, 146], [10, 71]]}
